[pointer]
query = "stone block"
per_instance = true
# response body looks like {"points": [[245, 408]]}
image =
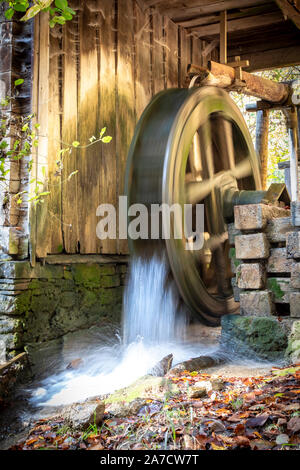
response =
{"points": [[233, 260], [232, 233], [295, 210], [295, 304], [256, 303], [295, 276], [277, 229], [236, 290], [293, 349], [280, 288], [252, 246], [293, 244], [253, 337], [251, 276], [256, 216], [278, 262]]}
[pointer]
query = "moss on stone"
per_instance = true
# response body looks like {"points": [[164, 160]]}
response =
{"points": [[257, 337], [275, 287]]}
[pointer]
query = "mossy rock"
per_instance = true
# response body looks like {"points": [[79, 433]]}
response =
{"points": [[253, 337], [145, 387], [293, 349]]}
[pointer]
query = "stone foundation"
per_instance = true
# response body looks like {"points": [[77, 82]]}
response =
{"points": [[265, 258], [48, 301]]}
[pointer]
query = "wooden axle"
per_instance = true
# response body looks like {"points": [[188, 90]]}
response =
{"points": [[224, 76]]}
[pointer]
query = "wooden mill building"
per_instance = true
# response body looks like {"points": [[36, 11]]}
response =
{"points": [[101, 70]]}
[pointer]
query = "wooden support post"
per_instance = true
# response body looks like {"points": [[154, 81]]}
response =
{"points": [[262, 134], [293, 141], [223, 37]]}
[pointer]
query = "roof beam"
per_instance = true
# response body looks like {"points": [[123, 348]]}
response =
{"points": [[179, 11], [281, 57], [239, 24], [290, 11]]}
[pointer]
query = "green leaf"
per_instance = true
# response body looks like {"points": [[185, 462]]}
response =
{"points": [[31, 12], [25, 127], [45, 193], [19, 81], [106, 139], [62, 4], [9, 13], [102, 132], [19, 201], [75, 143]]}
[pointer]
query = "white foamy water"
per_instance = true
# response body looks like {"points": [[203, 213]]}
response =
{"points": [[153, 326]]}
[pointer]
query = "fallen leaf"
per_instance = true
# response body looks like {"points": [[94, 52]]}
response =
{"points": [[294, 424], [257, 421]]}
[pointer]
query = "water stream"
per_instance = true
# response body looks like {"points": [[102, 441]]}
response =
{"points": [[154, 325]]}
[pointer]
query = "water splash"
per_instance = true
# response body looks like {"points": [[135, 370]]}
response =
{"points": [[151, 308], [153, 326]]}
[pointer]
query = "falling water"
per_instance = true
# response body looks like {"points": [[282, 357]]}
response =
{"points": [[151, 304], [153, 326]]}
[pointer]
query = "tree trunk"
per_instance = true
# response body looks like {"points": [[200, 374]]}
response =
{"points": [[262, 134]]}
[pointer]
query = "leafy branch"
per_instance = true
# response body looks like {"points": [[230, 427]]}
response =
{"points": [[59, 10]]}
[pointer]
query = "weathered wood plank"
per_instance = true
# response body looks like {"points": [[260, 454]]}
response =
{"points": [[42, 234], [171, 37], [125, 95], [35, 104], [69, 135], [196, 51], [142, 68], [240, 24], [157, 55], [53, 201], [89, 162], [184, 57], [107, 118]]}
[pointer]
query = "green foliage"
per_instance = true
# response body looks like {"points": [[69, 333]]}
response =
{"points": [[278, 136], [18, 144], [59, 10]]}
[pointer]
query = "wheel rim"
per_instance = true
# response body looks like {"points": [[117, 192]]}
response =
{"points": [[159, 171]]}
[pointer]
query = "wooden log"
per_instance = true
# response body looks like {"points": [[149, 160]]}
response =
{"points": [[223, 76], [262, 141], [143, 64]]}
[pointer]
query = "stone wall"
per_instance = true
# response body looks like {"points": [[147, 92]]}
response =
{"points": [[265, 258], [48, 301]]}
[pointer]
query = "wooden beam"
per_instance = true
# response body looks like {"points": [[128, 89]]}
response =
{"points": [[282, 57], [224, 76], [178, 11], [262, 140], [240, 24], [215, 18], [290, 11], [223, 37]]}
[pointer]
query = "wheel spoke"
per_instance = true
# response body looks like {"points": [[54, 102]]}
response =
{"points": [[225, 142], [195, 158], [197, 191]]}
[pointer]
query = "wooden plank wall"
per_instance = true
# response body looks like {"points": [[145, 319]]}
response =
{"points": [[104, 66]]}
